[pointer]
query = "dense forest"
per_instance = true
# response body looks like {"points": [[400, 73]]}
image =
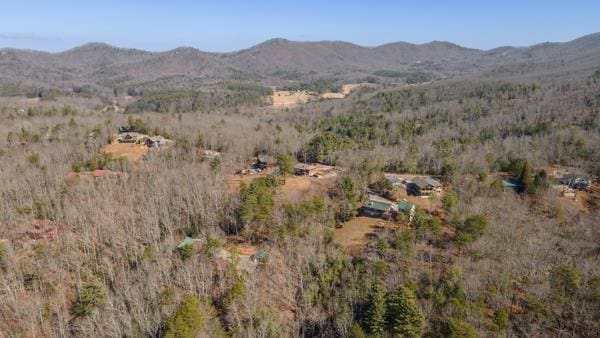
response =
{"points": [[108, 256]]}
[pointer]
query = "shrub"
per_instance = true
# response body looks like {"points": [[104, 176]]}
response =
{"points": [[382, 186], [471, 229], [237, 291], [211, 245], [356, 331], [455, 328], [215, 163], [286, 164], [167, 296], [91, 296], [101, 161], [500, 320], [186, 251], [138, 125], [449, 200], [565, 281], [187, 321], [3, 257]]}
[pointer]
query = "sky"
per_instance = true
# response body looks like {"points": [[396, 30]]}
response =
{"points": [[223, 26]]}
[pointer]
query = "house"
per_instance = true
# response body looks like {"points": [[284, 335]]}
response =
{"points": [[303, 169], [155, 141], [425, 186], [210, 154], [395, 181], [264, 161], [378, 207], [577, 182], [130, 137]]}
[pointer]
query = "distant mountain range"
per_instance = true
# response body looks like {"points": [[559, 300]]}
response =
{"points": [[280, 61]]}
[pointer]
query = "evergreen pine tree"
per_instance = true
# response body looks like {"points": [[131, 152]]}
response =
{"points": [[374, 321], [526, 178], [405, 317]]}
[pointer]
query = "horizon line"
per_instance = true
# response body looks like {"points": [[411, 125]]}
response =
{"points": [[286, 40]]}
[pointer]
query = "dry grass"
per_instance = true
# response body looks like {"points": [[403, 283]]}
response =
{"points": [[298, 188], [353, 235]]}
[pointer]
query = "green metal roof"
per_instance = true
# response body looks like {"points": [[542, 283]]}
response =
{"points": [[187, 241], [261, 255], [405, 205], [377, 205]]}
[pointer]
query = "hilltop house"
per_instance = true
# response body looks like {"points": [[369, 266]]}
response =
{"points": [[425, 186]]}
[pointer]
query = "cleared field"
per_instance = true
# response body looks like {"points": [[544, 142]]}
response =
{"points": [[287, 98], [333, 95], [234, 180], [133, 152], [298, 188], [353, 235]]}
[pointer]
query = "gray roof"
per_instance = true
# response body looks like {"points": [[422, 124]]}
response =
{"points": [[264, 158], [393, 179], [424, 182]]}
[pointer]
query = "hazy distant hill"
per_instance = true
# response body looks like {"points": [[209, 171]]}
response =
{"points": [[103, 66]]}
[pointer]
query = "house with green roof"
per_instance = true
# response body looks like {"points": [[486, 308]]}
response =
{"points": [[378, 207]]}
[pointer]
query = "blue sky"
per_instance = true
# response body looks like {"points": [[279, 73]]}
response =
{"points": [[231, 25]]}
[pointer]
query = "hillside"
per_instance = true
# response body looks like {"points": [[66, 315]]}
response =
{"points": [[105, 67]]}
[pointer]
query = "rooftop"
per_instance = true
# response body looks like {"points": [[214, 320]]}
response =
{"points": [[378, 205], [423, 182], [405, 205]]}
